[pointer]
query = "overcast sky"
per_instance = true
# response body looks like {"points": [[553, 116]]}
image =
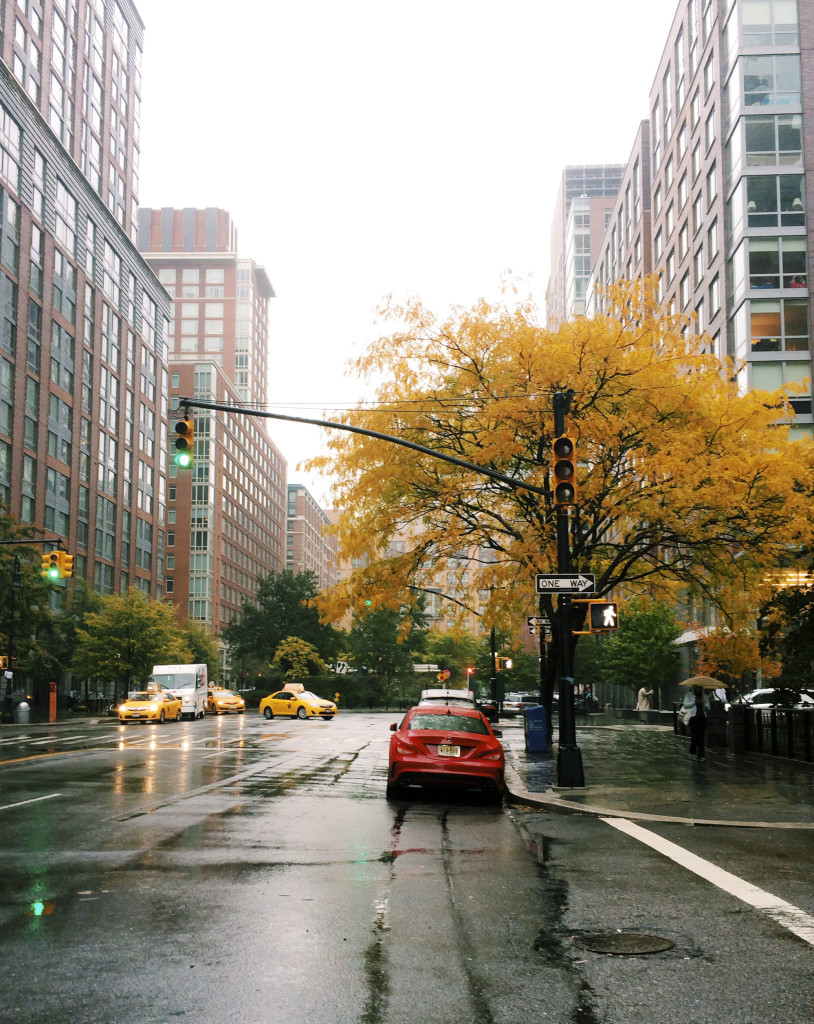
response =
{"points": [[376, 146]]}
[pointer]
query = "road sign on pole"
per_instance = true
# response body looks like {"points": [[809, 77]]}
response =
{"points": [[563, 583], [537, 620]]}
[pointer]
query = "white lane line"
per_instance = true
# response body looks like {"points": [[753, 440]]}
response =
{"points": [[785, 914], [57, 738], [34, 800]]}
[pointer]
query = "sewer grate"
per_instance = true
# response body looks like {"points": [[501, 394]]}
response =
{"points": [[624, 943]]}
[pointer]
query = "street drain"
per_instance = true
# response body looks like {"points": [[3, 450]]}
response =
{"points": [[624, 943]]}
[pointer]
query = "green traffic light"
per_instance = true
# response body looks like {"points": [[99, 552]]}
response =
{"points": [[53, 573], [183, 459]]}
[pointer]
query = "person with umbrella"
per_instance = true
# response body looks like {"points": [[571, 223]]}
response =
{"points": [[697, 702]]}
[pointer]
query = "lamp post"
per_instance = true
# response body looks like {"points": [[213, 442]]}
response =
{"points": [[8, 702]]}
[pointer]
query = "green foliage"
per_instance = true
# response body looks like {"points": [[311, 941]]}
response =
{"points": [[643, 650], [297, 659], [282, 609], [455, 654], [203, 648], [126, 637], [389, 642], [787, 633]]}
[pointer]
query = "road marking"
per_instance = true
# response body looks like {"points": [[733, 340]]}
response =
{"points": [[34, 800], [56, 738], [785, 914]]}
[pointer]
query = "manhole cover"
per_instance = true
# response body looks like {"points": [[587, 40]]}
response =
{"points": [[629, 943]]}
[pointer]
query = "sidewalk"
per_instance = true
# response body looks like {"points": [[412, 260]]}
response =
{"points": [[645, 772]]}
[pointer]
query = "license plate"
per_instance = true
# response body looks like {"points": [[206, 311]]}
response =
{"points": [[447, 750], [136, 715]]}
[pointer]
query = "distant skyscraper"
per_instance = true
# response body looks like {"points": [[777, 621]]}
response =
{"points": [[584, 199], [307, 544], [227, 516]]}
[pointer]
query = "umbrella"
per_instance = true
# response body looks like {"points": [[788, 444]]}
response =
{"points": [[705, 682]]}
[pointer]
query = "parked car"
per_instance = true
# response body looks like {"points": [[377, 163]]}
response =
{"points": [[446, 697], [291, 704], [220, 701], [150, 706], [515, 704], [445, 746], [775, 697]]}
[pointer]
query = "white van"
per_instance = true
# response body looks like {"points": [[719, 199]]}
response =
{"points": [[187, 682]]}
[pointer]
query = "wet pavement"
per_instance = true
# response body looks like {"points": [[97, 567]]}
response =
{"points": [[645, 771]]}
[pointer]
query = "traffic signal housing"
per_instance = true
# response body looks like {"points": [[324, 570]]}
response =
{"points": [[52, 565], [602, 616], [184, 443], [66, 565], [565, 471]]}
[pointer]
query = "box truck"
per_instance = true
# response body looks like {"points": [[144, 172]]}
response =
{"points": [[187, 682]]}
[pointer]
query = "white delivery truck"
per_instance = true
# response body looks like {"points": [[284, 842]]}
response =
{"points": [[188, 683]]}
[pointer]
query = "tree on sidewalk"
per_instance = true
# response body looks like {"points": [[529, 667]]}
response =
{"points": [[283, 608], [642, 652], [126, 637], [679, 467]]}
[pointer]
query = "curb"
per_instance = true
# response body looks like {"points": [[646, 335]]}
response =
{"points": [[517, 793]]}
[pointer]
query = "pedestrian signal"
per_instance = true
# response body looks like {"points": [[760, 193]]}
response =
{"points": [[602, 616], [501, 664], [565, 471], [184, 443]]}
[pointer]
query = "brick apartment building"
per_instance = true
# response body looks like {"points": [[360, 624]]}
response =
{"points": [[227, 515], [84, 385]]}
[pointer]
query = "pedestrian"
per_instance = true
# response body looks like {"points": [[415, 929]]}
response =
{"points": [[697, 702], [643, 702]]}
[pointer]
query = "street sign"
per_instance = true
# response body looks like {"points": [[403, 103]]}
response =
{"points": [[536, 630], [564, 584], [537, 620]]}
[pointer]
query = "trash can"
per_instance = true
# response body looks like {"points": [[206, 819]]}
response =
{"points": [[21, 713], [534, 729]]}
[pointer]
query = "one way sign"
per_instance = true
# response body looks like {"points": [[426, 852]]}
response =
{"points": [[560, 583]]}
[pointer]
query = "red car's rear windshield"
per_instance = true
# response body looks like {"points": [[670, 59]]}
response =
{"points": [[449, 723]]}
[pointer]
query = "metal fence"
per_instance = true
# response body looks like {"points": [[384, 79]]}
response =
{"points": [[781, 732]]}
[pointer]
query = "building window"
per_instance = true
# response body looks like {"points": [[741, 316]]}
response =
{"points": [[714, 297], [773, 200], [779, 325], [709, 129], [10, 140], [712, 241], [769, 24], [771, 80], [777, 262], [712, 185], [684, 292], [772, 140]]}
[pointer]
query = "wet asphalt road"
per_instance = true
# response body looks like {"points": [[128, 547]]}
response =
{"points": [[242, 870]]}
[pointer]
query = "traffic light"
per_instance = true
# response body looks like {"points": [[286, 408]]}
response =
{"points": [[66, 565], [501, 664], [52, 565], [602, 616], [184, 443], [3, 663], [565, 471]]}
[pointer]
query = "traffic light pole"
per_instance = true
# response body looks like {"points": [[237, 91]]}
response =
{"points": [[569, 756]]}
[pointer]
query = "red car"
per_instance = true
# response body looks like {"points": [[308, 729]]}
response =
{"points": [[448, 746]]}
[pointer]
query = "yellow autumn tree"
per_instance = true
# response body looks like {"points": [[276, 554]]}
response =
{"points": [[686, 482]]}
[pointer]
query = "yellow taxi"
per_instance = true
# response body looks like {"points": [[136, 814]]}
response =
{"points": [[291, 703], [150, 706], [220, 701]]}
